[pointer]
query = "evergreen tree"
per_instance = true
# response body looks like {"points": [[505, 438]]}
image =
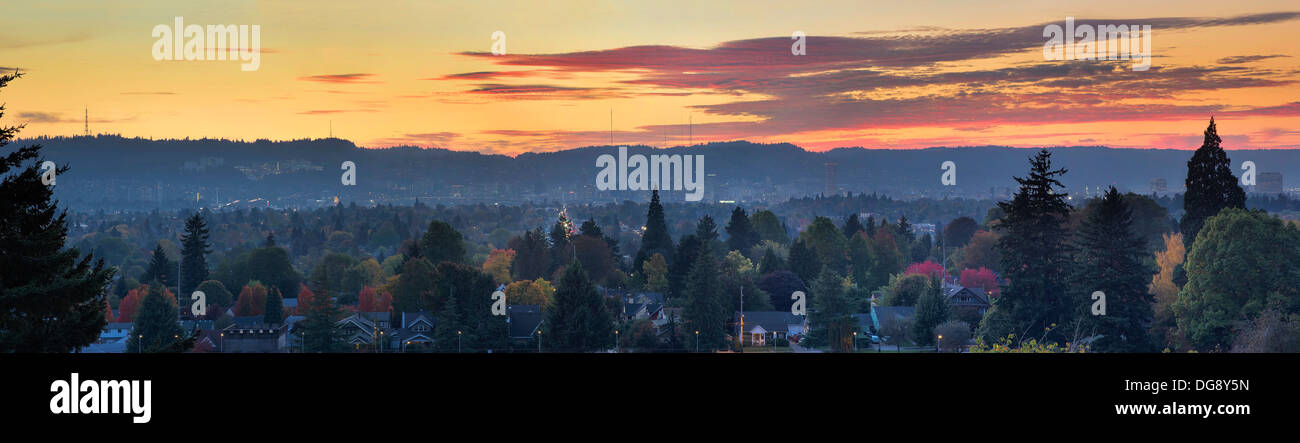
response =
{"points": [[577, 320], [655, 239], [318, 330], [156, 328], [770, 263], [194, 250], [532, 256], [804, 261], [860, 261], [705, 310], [870, 227], [1211, 187], [449, 334], [742, 235], [442, 243], [160, 268], [852, 226], [1035, 252], [932, 309], [273, 313], [830, 245], [1111, 260], [688, 250], [50, 301], [832, 313]]}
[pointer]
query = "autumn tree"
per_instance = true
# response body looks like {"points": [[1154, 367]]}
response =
{"points": [[251, 301], [498, 265], [372, 300], [1164, 327], [656, 273]]}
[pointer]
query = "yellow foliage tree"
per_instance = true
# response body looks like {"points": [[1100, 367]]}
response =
{"points": [[498, 265], [1164, 326]]}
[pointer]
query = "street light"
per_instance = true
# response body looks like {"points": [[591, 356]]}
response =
{"points": [[221, 343], [938, 346], [539, 340], [855, 341], [457, 341], [697, 341], [140, 341], [615, 341]]}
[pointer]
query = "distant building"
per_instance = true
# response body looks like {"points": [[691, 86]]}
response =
{"points": [[249, 334], [1159, 186], [832, 183], [763, 327], [1269, 183]]}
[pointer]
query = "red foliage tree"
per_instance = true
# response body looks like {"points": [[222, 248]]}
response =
{"points": [[928, 269], [372, 300], [131, 303], [108, 311], [981, 278], [252, 300]]}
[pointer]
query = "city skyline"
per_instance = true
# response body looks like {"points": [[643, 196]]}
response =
{"points": [[910, 76]]}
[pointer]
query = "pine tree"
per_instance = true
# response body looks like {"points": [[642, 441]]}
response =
{"points": [[679, 269], [160, 268], [318, 330], [852, 226], [770, 263], [804, 261], [194, 250], [442, 243], [932, 309], [1211, 187], [273, 313], [832, 312], [1110, 259], [655, 239], [742, 235], [577, 320], [1035, 252], [705, 310], [155, 328], [50, 301]]}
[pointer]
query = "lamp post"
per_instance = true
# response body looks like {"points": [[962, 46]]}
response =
{"points": [[379, 347], [855, 341], [139, 340], [221, 343], [457, 341], [539, 340], [938, 345], [697, 341], [615, 341]]}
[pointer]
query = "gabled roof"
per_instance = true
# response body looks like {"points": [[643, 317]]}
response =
{"points": [[976, 294], [770, 321], [523, 320]]}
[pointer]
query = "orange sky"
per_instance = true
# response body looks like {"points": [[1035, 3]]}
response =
{"points": [[876, 74]]}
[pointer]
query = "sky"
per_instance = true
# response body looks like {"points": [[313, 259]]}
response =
{"points": [[898, 75]]}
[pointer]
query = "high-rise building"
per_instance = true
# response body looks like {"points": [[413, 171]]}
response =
{"points": [[1269, 183], [1159, 186], [832, 186]]}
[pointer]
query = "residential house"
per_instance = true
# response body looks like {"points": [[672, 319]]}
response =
{"points": [[763, 327]]}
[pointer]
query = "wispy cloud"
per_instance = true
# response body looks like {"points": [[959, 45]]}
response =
{"points": [[340, 78]]}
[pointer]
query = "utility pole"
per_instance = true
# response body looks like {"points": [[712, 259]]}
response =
{"points": [[741, 333]]}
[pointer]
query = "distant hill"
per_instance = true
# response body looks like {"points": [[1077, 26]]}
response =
{"points": [[112, 171]]}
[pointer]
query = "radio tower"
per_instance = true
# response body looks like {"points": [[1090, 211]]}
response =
{"points": [[87, 121]]}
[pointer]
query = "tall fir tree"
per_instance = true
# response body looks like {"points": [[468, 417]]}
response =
{"points": [[194, 250], [804, 261], [156, 328], [1211, 187], [741, 234], [161, 269], [655, 239], [705, 310], [1035, 251], [852, 226], [273, 313], [679, 269], [577, 320], [50, 301], [1110, 259], [832, 313], [770, 263], [932, 309], [318, 331]]}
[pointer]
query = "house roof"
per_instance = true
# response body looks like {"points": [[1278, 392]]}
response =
{"points": [[885, 316], [770, 321], [523, 320], [977, 295]]}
